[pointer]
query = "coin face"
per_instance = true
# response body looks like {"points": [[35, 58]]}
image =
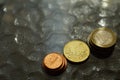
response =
{"points": [[76, 51], [53, 61], [103, 37]]}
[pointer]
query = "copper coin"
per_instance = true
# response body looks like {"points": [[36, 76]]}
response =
{"points": [[53, 61]]}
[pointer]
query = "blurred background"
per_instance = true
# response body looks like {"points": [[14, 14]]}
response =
{"points": [[30, 29]]}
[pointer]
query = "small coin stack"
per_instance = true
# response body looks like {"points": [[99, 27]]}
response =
{"points": [[54, 63], [76, 51], [102, 41]]}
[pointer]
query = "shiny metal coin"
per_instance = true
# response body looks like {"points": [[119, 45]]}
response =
{"points": [[103, 37], [53, 61], [76, 51]]}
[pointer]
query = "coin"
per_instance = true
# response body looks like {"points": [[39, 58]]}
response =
{"points": [[53, 61], [76, 51], [103, 37], [102, 42]]}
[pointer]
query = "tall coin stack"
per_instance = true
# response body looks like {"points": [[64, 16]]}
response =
{"points": [[102, 41], [54, 63]]}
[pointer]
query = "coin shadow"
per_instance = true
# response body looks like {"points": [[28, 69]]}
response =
{"points": [[53, 73], [78, 63], [102, 53]]}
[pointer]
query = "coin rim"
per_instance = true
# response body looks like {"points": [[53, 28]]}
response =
{"points": [[64, 63]]}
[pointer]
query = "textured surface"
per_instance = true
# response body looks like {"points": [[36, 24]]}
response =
{"points": [[30, 29]]}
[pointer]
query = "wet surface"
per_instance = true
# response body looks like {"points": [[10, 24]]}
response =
{"points": [[30, 29]]}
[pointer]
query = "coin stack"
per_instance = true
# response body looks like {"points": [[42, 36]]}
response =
{"points": [[54, 63], [102, 41], [76, 51]]}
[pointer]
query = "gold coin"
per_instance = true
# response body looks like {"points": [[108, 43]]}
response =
{"points": [[76, 51], [103, 37]]}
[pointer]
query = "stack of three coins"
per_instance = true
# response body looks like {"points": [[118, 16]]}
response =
{"points": [[54, 63]]}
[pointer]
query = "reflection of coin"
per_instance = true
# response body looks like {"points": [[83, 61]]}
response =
{"points": [[76, 51], [103, 37], [53, 61]]}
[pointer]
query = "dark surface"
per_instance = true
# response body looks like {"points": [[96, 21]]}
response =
{"points": [[30, 29]]}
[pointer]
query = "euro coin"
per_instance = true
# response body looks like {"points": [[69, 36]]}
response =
{"points": [[103, 37], [76, 51], [102, 41], [53, 61]]}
